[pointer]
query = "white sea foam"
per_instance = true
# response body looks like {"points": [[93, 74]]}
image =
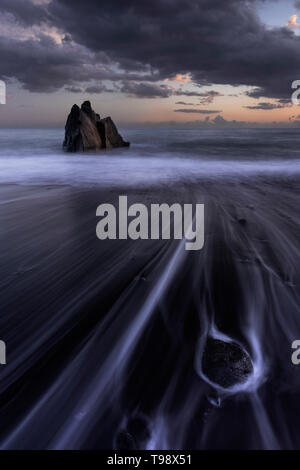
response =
{"points": [[155, 157]]}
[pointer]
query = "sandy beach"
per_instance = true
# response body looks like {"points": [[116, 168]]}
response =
{"points": [[104, 333]]}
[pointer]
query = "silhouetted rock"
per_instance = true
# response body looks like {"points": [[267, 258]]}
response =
{"points": [[85, 130], [112, 137], [225, 364], [89, 133], [101, 131], [73, 140], [86, 107]]}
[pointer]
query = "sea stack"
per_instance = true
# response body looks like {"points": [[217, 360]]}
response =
{"points": [[85, 130]]}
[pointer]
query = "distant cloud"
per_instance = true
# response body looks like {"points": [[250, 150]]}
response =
{"points": [[183, 103], [217, 123], [255, 93], [266, 106], [198, 111], [209, 97], [292, 23]]}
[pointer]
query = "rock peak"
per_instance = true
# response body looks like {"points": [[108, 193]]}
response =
{"points": [[85, 130]]}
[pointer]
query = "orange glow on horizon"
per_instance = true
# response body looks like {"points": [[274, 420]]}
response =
{"points": [[179, 78]]}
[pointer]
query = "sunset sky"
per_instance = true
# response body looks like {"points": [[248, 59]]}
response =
{"points": [[200, 63]]}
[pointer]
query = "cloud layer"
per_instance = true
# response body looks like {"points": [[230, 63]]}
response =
{"points": [[138, 44]]}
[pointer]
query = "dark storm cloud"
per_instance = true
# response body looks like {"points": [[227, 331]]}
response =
{"points": [[198, 111], [93, 89], [42, 65], [214, 41], [24, 11], [73, 89], [96, 89], [145, 90]]}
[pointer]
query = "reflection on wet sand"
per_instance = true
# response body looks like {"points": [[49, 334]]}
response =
{"points": [[106, 340]]}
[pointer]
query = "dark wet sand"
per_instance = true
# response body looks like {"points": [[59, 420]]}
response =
{"points": [[104, 337]]}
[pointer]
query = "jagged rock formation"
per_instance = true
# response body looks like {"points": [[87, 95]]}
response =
{"points": [[85, 130]]}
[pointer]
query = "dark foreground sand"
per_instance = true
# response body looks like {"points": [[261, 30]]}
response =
{"points": [[104, 338]]}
